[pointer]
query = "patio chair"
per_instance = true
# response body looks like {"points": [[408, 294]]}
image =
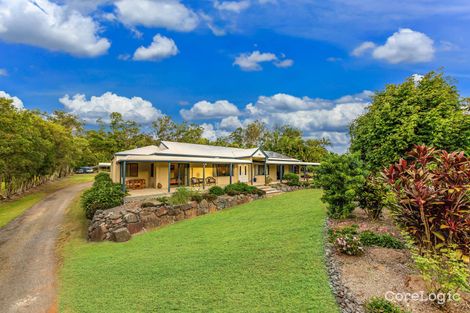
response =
{"points": [[195, 181], [210, 181]]}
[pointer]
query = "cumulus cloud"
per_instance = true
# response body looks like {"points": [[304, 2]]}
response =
{"points": [[251, 61], [210, 110], [404, 46], [230, 123], [135, 108], [170, 14], [162, 47], [232, 6], [316, 117], [16, 101], [3, 72], [363, 48], [48, 25]]}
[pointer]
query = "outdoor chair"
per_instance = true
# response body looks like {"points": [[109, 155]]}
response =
{"points": [[210, 181], [195, 181]]}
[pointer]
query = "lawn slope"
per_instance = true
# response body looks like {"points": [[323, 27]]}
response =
{"points": [[264, 256], [9, 210]]}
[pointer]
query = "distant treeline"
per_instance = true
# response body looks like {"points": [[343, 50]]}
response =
{"points": [[36, 147]]}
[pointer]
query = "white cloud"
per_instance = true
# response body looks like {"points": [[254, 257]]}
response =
{"points": [[135, 108], [212, 133], [161, 47], [284, 63], [3, 72], [16, 101], [363, 48], [404, 46], [317, 118], [210, 110], [45, 24], [232, 6], [230, 123], [251, 61], [170, 14]]}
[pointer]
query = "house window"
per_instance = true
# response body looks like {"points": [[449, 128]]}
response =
{"points": [[152, 170], [222, 170], [133, 170], [259, 170]]}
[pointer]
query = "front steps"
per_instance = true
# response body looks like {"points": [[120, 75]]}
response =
{"points": [[270, 191]]}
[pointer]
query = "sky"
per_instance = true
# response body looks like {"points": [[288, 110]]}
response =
{"points": [[308, 63]]}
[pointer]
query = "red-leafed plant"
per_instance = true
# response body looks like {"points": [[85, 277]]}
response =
{"points": [[433, 193]]}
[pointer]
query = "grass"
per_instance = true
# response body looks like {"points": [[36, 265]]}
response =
{"points": [[9, 210], [264, 256]]}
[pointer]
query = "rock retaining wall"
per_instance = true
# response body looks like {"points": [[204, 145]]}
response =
{"points": [[118, 224]]}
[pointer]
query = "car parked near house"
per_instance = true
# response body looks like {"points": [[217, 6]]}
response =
{"points": [[84, 170]]}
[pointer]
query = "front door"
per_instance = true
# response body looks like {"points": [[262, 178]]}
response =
{"points": [[243, 173]]}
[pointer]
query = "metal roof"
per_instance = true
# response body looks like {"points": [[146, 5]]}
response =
{"points": [[188, 152]]}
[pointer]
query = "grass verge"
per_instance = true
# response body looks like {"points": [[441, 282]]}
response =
{"points": [[264, 256], [9, 210]]}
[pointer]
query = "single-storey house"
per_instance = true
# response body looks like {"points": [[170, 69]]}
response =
{"points": [[174, 164]]}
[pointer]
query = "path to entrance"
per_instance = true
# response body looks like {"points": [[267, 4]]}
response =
{"points": [[27, 255]]}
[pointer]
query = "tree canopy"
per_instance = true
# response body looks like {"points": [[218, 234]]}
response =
{"points": [[429, 111]]}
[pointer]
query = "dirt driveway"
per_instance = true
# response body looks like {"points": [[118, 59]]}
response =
{"points": [[27, 255]]}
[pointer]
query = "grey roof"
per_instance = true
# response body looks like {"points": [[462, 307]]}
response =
{"points": [[179, 149]]}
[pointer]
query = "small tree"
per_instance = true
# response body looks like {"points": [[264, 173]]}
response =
{"points": [[372, 197], [340, 176]]}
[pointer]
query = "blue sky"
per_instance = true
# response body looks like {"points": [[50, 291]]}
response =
{"points": [[311, 64]]}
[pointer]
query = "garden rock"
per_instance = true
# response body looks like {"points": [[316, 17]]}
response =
{"points": [[121, 235]]}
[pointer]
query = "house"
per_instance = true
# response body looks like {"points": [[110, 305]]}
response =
{"points": [[174, 164]]}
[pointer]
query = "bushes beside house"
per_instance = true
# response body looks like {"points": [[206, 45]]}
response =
{"points": [[340, 177], [292, 179], [104, 194]]}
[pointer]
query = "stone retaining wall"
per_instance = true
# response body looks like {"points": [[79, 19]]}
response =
{"points": [[118, 224]]}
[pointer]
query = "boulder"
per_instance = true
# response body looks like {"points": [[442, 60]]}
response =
{"points": [[161, 211], [135, 227], [131, 218], [121, 234]]}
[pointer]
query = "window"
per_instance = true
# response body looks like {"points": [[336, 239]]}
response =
{"points": [[245, 169], [152, 170], [222, 170], [133, 170], [259, 170]]}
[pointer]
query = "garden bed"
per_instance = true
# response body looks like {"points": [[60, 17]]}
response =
{"points": [[379, 270]]}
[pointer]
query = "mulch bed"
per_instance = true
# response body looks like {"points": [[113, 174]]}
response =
{"points": [[355, 279]]}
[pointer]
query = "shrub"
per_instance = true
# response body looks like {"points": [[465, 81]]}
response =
{"points": [[163, 200], [102, 178], [432, 189], [101, 196], [372, 197], [240, 188], [349, 244], [181, 196], [147, 205], [369, 238], [333, 234], [444, 271], [381, 305], [216, 190], [209, 197], [196, 196], [292, 179], [340, 176]]}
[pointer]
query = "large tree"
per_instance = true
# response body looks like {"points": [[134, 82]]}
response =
{"points": [[428, 111]]}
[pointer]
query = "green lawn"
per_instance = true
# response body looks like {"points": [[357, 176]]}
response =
{"points": [[265, 256], [11, 209]]}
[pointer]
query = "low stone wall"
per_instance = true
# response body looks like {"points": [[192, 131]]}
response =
{"points": [[287, 188], [118, 224]]}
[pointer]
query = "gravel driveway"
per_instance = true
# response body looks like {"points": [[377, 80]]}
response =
{"points": [[27, 254]]}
